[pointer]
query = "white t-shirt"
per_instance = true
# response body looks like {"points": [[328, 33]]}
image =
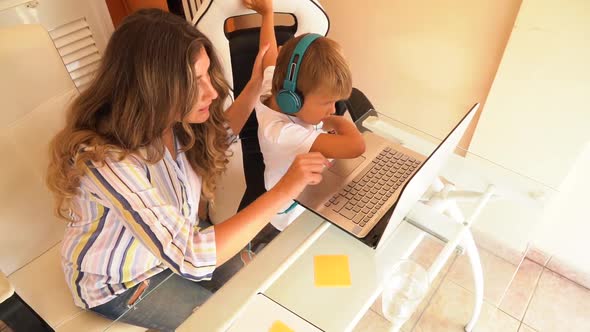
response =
{"points": [[281, 138]]}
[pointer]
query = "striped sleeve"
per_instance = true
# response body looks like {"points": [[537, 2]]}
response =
{"points": [[188, 251]]}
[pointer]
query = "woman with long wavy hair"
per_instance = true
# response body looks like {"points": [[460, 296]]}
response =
{"points": [[142, 146]]}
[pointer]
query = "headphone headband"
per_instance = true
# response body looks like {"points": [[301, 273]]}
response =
{"points": [[288, 99], [290, 82]]}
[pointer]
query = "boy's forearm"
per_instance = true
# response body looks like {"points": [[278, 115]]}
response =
{"points": [[344, 127], [267, 36], [242, 107]]}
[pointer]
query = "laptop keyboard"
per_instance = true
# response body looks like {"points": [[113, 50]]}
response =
{"points": [[360, 200]]}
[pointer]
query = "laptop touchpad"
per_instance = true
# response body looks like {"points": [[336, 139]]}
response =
{"points": [[343, 167]]}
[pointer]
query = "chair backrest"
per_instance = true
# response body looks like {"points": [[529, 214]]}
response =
{"points": [[212, 14], [35, 89]]}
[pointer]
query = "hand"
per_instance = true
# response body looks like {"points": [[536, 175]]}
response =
{"points": [[305, 169], [262, 7]]}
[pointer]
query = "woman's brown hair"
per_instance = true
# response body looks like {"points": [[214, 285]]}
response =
{"points": [[144, 83]]}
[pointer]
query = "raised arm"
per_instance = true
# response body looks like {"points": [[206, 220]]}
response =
{"points": [[242, 107], [240, 110], [267, 29]]}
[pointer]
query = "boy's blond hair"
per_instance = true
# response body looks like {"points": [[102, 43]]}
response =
{"points": [[323, 66]]}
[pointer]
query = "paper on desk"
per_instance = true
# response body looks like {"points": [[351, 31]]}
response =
{"points": [[263, 314], [279, 326], [331, 271]]}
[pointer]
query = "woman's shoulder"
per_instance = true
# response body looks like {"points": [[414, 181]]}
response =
{"points": [[118, 157]]}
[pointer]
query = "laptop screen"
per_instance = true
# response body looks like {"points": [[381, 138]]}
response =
{"points": [[425, 176]]}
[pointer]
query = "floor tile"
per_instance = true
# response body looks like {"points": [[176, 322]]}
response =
{"points": [[372, 322], [497, 272], [427, 251], [526, 328], [496, 246], [576, 275], [538, 256], [521, 289], [558, 304], [450, 310], [425, 254]]}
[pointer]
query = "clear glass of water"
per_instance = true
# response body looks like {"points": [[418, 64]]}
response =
{"points": [[404, 288]]}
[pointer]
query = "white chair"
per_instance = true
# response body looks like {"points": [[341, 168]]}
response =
{"points": [[35, 89], [244, 180]]}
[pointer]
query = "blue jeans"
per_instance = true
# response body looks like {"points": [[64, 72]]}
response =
{"points": [[169, 299]]}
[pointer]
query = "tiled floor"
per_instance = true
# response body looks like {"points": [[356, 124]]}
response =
{"points": [[529, 298]]}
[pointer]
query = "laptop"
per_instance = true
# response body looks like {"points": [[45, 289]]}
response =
{"points": [[369, 196]]}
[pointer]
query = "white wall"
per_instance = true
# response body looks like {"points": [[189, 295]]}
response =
{"points": [[565, 229], [423, 62], [536, 121], [538, 110]]}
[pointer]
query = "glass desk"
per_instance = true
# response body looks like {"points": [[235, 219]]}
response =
{"points": [[496, 207]]}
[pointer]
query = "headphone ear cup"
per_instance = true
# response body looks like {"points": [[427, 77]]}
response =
{"points": [[289, 102]]}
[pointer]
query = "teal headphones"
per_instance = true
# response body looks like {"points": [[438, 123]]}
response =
{"points": [[288, 99]]}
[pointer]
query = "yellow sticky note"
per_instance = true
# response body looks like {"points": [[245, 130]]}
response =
{"points": [[279, 326], [332, 271]]}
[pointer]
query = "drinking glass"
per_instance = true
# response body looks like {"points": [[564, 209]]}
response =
{"points": [[404, 288]]}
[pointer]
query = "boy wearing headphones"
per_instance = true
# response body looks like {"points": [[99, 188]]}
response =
{"points": [[300, 87]]}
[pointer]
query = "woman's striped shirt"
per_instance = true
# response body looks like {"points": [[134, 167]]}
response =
{"points": [[130, 221]]}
